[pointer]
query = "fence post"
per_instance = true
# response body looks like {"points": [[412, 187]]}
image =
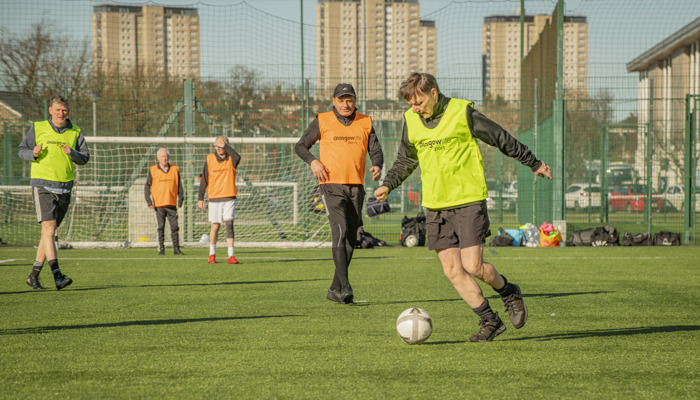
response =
{"points": [[691, 127], [604, 174], [188, 100], [7, 155], [649, 154]]}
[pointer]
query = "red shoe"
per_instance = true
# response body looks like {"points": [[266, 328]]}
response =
{"points": [[212, 259], [232, 260]]}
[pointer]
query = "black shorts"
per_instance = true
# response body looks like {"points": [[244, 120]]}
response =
{"points": [[461, 227], [50, 206]]}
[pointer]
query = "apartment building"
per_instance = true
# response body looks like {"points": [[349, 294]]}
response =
{"points": [[146, 39], [501, 53], [374, 48]]}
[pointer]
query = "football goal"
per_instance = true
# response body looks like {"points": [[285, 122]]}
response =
{"points": [[108, 207]]}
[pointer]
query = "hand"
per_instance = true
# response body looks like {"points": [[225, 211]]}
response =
{"points": [[151, 207], [319, 170], [376, 173], [544, 170], [66, 149], [200, 204], [219, 142], [381, 193], [37, 150]]}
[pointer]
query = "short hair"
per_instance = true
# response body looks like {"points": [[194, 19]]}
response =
{"points": [[60, 100], [417, 82], [163, 149], [223, 137]]}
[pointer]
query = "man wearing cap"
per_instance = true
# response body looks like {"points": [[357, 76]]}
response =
{"points": [[345, 137]]}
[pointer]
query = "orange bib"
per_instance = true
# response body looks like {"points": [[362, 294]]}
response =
{"points": [[343, 149]]}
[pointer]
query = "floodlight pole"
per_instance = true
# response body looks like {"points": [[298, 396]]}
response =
{"points": [[304, 121], [189, 108]]}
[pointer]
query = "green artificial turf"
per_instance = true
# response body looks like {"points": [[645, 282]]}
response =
{"points": [[618, 323]]}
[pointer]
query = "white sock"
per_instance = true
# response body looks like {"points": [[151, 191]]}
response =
{"points": [[230, 251], [212, 249]]}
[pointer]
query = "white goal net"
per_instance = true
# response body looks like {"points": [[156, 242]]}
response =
{"points": [[108, 206]]}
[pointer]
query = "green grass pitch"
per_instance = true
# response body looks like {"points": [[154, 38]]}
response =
{"points": [[620, 323]]}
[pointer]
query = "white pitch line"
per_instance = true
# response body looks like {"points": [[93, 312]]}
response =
{"points": [[314, 258], [10, 260]]}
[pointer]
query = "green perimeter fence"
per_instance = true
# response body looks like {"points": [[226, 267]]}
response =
{"points": [[622, 142], [109, 191]]}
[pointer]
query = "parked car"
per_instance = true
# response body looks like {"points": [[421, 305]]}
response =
{"points": [[508, 195], [675, 197], [632, 197], [509, 198], [582, 195]]}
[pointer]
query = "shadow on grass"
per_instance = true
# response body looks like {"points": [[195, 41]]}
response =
{"points": [[74, 289], [553, 295], [587, 334], [495, 296], [613, 332], [47, 329]]}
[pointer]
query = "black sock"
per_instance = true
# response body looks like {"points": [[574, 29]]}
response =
{"points": [[54, 268], [36, 268], [484, 311], [506, 290]]}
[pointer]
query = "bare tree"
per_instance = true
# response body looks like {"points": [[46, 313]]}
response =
{"points": [[43, 62], [243, 83]]}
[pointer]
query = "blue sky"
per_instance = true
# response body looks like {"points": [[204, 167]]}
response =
{"points": [[231, 31]]}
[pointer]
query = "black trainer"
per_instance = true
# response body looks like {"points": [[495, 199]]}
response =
{"points": [[33, 281], [177, 252], [161, 251], [346, 295], [488, 330], [62, 281], [334, 295], [517, 311]]}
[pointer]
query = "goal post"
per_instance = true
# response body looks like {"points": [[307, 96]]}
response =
{"points": [[108, 207]]}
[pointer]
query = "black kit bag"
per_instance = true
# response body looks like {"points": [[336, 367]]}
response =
{"points": [[376, 207], [502, 240], [582, 237], [365, 240], [640, 239], [413, 231], [605, 236], [664, 238]]}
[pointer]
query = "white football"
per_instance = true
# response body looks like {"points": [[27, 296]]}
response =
{"points": [[411, 240], [414, 325]]}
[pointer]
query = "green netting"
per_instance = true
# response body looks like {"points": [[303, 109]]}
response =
{"points": [[624, 122]]}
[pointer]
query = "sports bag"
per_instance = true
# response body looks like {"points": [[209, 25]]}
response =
{"points": [[502, 240], [413, 231], [517, 235], [582, 237], [365, 240], [375, 207], [605, 236], [640, 239], [664, 238]]}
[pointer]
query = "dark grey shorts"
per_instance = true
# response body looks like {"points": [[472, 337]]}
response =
{"points": [[50, 206], [461, 227]]}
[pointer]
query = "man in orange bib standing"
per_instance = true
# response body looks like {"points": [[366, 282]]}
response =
{"points": [[164, 186], [219, 183], [345, 137]]}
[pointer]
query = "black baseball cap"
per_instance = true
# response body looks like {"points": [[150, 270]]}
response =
{"points": [[344, 89]]}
